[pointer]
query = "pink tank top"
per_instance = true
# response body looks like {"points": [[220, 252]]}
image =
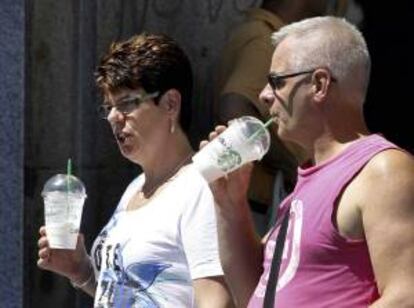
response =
{"points": [[321, 268]]}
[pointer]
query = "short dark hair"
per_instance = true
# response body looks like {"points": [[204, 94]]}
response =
{"points": [[153, 62]]}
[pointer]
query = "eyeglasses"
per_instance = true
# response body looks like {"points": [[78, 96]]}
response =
{"points": [[125, 106], [275, 80]]}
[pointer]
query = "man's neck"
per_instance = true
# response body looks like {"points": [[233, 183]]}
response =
{"points": [[328, 145]]}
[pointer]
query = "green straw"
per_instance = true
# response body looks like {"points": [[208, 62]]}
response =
{"points": [[68, 179], [261, 130], [69, 167], [268, 122], [69, 173]]}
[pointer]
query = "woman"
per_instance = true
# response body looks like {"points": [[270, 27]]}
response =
{"points": [[159, 249]]}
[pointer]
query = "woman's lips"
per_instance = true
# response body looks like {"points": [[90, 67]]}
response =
{"points": [[121, 137]]}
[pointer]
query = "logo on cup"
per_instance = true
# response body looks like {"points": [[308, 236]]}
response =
{"points": [[229, 158]]}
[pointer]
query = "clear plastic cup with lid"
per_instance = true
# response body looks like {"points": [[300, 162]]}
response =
{"points": [[64, 196], [246, 139]]}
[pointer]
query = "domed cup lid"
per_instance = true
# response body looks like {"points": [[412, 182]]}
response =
{"points": [[64, 183]]}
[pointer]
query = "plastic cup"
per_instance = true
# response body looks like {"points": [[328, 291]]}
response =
{"points": [[246, 139], [64, 196]]}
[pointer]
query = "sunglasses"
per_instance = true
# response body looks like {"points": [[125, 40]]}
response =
{"points": [[275, 80]]}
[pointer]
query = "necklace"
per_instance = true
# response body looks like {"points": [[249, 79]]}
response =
{"points": [[168, 177]]}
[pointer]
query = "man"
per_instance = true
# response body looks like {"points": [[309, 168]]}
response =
{"points": [[350, 232], [242, 75]]}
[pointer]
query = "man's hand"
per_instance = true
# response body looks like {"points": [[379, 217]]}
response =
{"points": [[230, 190]]}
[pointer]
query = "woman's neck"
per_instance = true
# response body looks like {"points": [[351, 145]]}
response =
{"points": [[166, 163]]}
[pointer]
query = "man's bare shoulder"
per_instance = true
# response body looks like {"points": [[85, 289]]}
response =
{"points": [[374, 190], [386, 185], [389, 165], [386, 180]]}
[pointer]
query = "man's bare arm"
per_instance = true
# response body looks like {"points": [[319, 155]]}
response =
{"points": [[212, 292], [241, 251], [388, 222]]}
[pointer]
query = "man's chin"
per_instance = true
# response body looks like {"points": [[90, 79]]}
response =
{"points": [[283, 135]]}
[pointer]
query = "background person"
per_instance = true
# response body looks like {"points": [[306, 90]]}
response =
{"points": [[351, 217], [159, 249]]}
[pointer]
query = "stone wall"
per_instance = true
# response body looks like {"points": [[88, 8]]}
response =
{"points": [[12, 96]]}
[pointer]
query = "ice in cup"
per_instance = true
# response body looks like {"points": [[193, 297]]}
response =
{"points": [[64, 196], [246, 139]]}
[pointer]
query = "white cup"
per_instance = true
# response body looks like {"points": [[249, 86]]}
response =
{"points": [[246, 139], [64, 196]]}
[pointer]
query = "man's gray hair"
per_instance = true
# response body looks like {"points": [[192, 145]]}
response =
{"points": [[328, 42]]}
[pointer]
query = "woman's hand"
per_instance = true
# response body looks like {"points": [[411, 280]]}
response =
{"points": [[230, 190], [73, 264]]}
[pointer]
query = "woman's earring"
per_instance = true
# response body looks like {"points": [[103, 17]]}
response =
{"points": [[172, 127]]}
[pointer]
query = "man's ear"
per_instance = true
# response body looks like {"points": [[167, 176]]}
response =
{"points": [[171, 101], [321, 81]]}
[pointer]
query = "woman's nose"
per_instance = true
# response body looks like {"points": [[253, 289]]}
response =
{"points": [[114, 115]]}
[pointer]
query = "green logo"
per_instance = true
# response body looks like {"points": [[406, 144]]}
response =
{"points": [[229, 159]]}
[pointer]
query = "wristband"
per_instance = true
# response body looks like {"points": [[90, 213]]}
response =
{"points": [[81, 284]]}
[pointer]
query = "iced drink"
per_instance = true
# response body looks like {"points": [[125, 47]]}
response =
{"points": [[64, 196], [246, 139]]}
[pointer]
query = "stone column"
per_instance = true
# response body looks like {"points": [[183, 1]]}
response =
{"points": [[12, 95]]}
